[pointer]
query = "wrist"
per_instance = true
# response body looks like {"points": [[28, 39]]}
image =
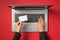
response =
{"points": [[41, 30], [18, 30]]}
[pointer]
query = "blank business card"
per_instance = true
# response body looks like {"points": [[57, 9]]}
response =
{"points": [[23, 18]]}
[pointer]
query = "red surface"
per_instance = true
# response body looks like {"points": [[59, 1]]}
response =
{"points": [[5, 19]]}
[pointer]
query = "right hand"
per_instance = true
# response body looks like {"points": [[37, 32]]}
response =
{"points": [[41, 24]]}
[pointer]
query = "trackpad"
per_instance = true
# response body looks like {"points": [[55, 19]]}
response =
{"points": [[29, 27]]}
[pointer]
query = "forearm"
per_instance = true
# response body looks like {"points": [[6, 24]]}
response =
{"points": [[43, 36], [17, 36]]}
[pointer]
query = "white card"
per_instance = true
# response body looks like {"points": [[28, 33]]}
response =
{"points": [[23, 18]]}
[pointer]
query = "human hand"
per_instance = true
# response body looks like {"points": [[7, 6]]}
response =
{"points": [[18, 26], [41, 24]]}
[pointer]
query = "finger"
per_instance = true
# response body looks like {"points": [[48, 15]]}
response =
{"points": [[44, 23], [18, 21], [38, 19], [21, 23], [41, 19]]}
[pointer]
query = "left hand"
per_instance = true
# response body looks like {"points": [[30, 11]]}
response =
{"points": [[18, 26]]}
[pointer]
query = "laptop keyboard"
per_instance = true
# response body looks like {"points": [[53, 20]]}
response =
{"points": [[31, 17]]}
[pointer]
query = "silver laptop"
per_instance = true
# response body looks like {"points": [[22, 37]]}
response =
{"points": [[31, 24]]}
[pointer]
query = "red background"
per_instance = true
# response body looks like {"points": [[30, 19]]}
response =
{"points": [[5, 19]]}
